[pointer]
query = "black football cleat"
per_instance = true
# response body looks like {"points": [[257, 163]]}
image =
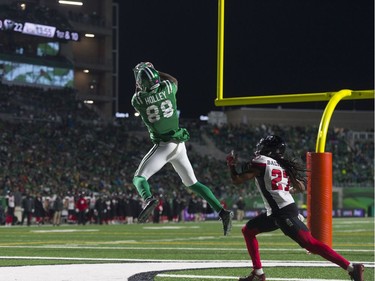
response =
{"points": [[151, 203], [253, 277], [226, 217], [357, 273]]}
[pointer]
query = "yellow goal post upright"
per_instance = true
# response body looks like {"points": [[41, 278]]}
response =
{"points": [[319, 163]]}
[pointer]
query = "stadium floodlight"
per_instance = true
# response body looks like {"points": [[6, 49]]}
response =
{"points": [[76, 3]]}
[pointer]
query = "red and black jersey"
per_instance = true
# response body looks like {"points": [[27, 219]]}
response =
{"points": [[81, 204]]}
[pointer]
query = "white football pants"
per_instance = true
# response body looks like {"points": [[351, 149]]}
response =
{"points": [[167, 152]]}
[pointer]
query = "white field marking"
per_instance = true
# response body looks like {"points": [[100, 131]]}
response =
{"points": [[352, 230], [170, 227], [337, 222], [176, 276], [82, 246], [113, 242], [64, 230], [241, 263], [122, 271], [339, 229], [183, 239]]}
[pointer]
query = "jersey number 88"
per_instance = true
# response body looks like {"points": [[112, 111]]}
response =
{"points": [[153, 112]]}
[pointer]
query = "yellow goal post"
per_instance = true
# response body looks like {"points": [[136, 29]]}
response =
{"points": [[319, 164]]}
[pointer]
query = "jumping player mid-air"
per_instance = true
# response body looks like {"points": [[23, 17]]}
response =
{"points": [[276, 174], [155, 100]]}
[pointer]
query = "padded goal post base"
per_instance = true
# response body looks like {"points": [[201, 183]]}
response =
{"points": [[319, 195]]}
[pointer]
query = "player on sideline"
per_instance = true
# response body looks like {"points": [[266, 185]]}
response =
{"points": [[275, 176], [155, 100]]}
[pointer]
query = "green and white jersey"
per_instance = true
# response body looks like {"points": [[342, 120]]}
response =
{"points": [[158, 110]]}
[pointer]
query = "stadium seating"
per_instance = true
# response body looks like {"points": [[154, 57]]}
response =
{"points": [[51, 143]]}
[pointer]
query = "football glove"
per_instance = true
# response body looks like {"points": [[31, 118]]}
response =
{"points": [[231, 159], [301, 217]]}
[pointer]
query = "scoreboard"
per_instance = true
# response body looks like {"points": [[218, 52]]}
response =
{"points": [[36, 29]]}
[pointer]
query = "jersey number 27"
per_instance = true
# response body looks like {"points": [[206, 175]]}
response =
{"points": [[280, 180]]}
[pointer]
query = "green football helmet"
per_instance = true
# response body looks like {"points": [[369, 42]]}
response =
{"points": [[141, 65], [148, 79]]}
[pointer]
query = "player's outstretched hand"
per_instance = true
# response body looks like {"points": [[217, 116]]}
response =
{"points": [[231, 159]]}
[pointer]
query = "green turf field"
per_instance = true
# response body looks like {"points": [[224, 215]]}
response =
{"points": [[353, 238]]}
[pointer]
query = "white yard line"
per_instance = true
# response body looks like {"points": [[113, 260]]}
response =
{"points": [[85, 246], [176, 277], [122, 271]]}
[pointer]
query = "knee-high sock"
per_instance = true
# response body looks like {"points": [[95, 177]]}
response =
{"points": [[313, 245], [142, 186], [252, 246], [206, 193]]}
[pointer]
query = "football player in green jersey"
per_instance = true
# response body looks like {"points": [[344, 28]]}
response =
{"points": [[155, 100]]}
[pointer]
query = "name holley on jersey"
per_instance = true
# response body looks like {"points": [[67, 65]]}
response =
{"points": [[156, 97]]}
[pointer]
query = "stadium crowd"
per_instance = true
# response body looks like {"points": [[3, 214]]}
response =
{"points": [[58, 156]]}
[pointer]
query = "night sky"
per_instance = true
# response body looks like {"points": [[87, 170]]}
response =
{"points": [[271, 47]]}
